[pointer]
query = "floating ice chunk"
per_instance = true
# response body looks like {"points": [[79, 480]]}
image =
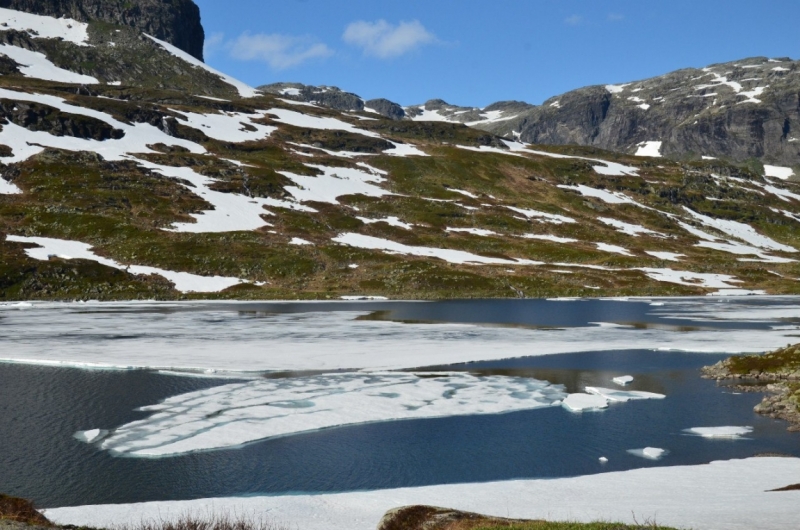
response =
{"points": [[581, 402], [623, 380], [44, 27], [651, 149], [239, 413], [622, 396], [184, 281], [719, 432], [91, 436], [37, 65], [778, 172], [603, 460], [651, 453], [451, 256], [245, 90]]}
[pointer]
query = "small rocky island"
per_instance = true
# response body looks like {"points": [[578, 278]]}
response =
{"points": [[777, 373]]}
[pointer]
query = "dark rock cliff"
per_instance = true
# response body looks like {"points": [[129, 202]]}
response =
{"points": [[174, 21], [740, 110]]}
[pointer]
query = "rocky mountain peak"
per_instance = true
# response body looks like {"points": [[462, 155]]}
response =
{"points": [[173, 21]]}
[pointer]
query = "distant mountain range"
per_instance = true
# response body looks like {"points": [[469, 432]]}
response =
{"points": [[747, 109], [130, 169]]}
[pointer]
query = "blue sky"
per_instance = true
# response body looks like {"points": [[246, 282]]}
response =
{"points": [[471, 52]]}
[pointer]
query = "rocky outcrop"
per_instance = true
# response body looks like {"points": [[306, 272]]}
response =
{"points": [[740, 110], [174, 21], [776, 373], [386, 108], [324, 96], [433, 518]]}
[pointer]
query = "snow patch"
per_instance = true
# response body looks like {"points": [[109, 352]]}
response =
{"points": [[44, 27], [778, 172], [37, 65], [64, 249], [651, 149]]}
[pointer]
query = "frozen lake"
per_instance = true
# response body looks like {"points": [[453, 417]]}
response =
{"points": [[288, 398]]}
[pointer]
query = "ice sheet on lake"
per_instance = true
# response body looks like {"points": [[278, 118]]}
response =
{"points": [[732, 494], [235, 414], [720, 432], [193, 339]]}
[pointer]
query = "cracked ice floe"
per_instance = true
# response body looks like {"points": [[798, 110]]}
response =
{"points": [[245, 90], [719, 432], [740, 231], [778, 172], [629, 229], [335, 182], [448, 255], [651, 453], [474, 231], [37, 65], [542, 217], [597, 398], [44, 27], [184, 281], [391, 221], [651, 149], [232, 212], [239, 413], [233, 127], [667, 256]]}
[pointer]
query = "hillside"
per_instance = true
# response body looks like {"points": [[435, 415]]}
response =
{"points": [[132, 170]]}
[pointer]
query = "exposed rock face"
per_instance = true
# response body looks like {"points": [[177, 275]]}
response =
{"points": [[386, 108], [174, 21], [434, 518], [740, 110], [325, 96]]}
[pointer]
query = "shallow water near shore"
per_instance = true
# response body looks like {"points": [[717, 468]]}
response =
{"points": [[43, 406]]}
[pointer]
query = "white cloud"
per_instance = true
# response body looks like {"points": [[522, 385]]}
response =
{"points": [[213, 44], [384, 40], [574, 20], [278, 51]]}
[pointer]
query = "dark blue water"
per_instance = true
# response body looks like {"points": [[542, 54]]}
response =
{"points": [[41, 408]]}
